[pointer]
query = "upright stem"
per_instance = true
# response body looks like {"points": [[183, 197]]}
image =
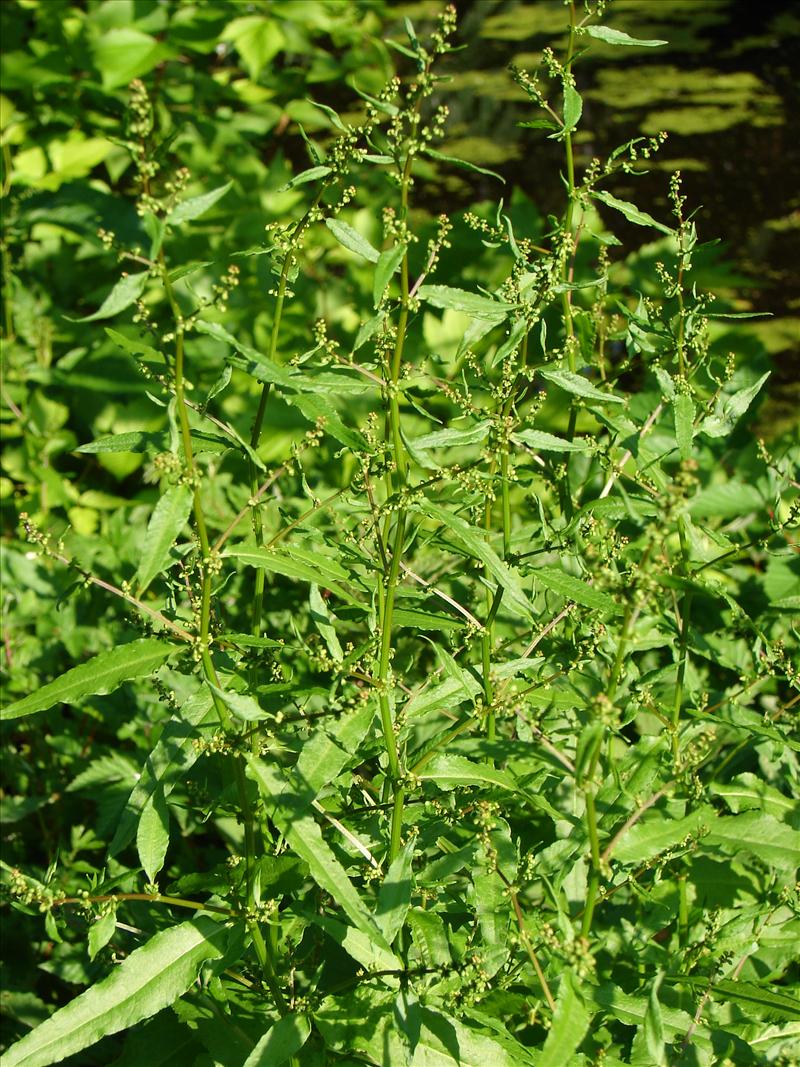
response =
{"points": [[258, 424], [204, 625], [389, 588], [566, 296]]}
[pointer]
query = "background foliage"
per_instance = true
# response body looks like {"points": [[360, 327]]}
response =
{"points": [[677, 588]]}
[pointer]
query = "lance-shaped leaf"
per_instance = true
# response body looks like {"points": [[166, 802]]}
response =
{"points": [[168, 763], [290, 814], [152, 835], [169, 517], [309, 175], [618, 37], [473, 541], [683, 414], [548, 442], [570, 1023], [197, 205], [352, 240], [394, 897], [126, 292], [481, 307], [572, 588], [151, 978], [631, 212], [573, 108], [281, 1042], [135, 441], [388, 262], [577, 385], [98, 676]]}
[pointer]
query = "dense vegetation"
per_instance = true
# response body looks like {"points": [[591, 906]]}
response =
{"points": [[400, 613]]}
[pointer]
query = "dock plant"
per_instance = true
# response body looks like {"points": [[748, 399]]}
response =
{"points": [[426, 690]]}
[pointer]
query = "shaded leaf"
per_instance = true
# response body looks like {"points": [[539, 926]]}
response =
{"points": [[169, 517]]}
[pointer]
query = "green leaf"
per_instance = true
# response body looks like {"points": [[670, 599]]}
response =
{"points": [[481, 307], [631, 212], [572, 588], [136, 441], [394, 897], [197, 205], [303, 835], [451, 772], [462, 163], [98, 676], [570, 1023], [734, 407], [125, 53], [242, 705], [430, 937], [548, 442], [150, 979], [352, 240], [577, 385], [171, 758], [777, 1001], [101, 931], [683, 413], [329, 750], [152, 835], [309, 175], [573, 108], [454, 438], [258, 39], [388, 262], [325, 622], [259, 365], [126, 292], [169, 517], [654, 1026], [320, 569], [753, 831], [282, 1041], [618, 37], [473, 541]]}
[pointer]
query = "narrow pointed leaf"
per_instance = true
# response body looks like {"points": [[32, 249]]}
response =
{"points": [[473, 541], [171, 758], [444, 296], [151, 978], [548, 442], [577, 385], [387, 264], [570, 1023], [573, 107], [352, 240], [281, 1042], [169, 517], [135, 441], [683, 413], [290, 815], [631, 212], [618, 37], [126, 292], [572, 588], [394, 897], [197, 205], [152, 836], [98, 676]]}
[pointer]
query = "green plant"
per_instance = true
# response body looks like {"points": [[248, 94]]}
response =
{"points": [[464, 601]]}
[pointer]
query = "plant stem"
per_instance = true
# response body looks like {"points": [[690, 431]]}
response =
{"points": [[209, 671], [386, 594]]}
